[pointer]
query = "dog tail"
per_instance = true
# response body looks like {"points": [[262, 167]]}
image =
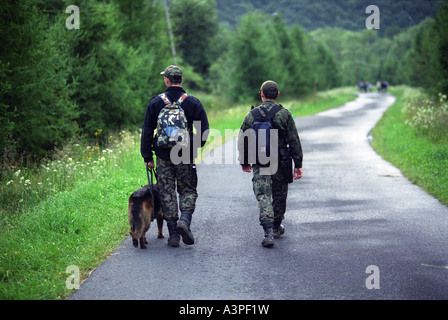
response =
{"points": [[136, 204]]}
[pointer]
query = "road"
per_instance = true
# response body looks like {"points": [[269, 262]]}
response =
{"points": [[351, 210]]}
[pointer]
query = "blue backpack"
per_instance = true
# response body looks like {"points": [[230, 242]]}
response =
{"points": [[262, 127]]}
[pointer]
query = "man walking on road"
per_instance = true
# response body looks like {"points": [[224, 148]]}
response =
{"points": [[173, 114], [270, 182]]}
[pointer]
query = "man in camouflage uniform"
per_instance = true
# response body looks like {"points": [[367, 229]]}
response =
{"points": [[174, 176], [271, 189]]}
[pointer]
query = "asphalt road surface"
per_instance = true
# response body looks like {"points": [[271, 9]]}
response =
{"points": [[356, 229]]}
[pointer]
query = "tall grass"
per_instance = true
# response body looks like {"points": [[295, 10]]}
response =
{"points": [[427, 115], [414, 144], [23, 185], [76, 216]]}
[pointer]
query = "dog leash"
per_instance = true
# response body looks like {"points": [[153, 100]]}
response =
{"points": [[151, 183], [149, 170]]}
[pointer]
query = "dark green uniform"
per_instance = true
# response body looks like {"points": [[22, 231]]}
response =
{"points": [[270, 190]]}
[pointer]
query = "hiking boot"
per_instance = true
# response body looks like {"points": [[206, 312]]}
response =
{"points": [[174, 239], [278, 231], [183, 228], [268, 240]]}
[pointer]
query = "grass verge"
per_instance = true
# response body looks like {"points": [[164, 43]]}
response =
{"points": [[72, 211], [79, 226], [420, 158]]}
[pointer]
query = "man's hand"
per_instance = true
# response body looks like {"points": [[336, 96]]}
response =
{"points": [[298, 173], [150, 164], [247, 168]]}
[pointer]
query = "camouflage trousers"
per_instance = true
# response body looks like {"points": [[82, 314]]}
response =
{"points": [[176, 179], [271, 193]]}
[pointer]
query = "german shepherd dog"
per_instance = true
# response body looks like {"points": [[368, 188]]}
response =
{"points": [[142, 211]]}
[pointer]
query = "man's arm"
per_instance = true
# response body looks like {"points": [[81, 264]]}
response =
{"points": [[204, 130], [147, 138], [243, 152], [292, 138]]}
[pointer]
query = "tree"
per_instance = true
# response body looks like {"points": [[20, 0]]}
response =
{"points": [[36, 110], [301, 72], [423, 63], [440, 27], [195, 26], [327, 74], [118, 55], [251, 56], [290, 64]]}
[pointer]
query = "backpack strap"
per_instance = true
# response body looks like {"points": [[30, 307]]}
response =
{"points": [[275, 109], [182, 98], [269, 115], [165, 99], [256, 114], [168, 102]]}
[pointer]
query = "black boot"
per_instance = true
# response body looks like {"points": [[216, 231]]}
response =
{"points": [[279, 229], [174, 239], [183, 228], [268, 240]]}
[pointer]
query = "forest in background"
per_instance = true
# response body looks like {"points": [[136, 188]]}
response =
{"points": [[396, 15], [58, 83]]}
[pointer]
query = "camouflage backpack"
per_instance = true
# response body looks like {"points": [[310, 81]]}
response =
{"points": [[172, 124]]}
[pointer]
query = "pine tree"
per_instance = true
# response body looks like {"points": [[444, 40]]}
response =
{"points": [[441, 26], [195, 26], [37, 113], [252, 56]]}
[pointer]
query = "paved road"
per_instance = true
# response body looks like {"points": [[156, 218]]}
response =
{"points": [[351, 210]]}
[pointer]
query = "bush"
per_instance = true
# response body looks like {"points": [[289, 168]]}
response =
{"points": [[428, 115]]}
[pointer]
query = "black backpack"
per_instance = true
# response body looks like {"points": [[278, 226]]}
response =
{"points": [[262, 127]]}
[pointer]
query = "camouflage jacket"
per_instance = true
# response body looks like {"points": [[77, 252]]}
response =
{"points": [[284, 122]]}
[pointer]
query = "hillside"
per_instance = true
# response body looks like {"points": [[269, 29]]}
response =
{"points": [[345, 14]]}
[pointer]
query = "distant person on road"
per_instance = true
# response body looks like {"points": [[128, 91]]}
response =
{"points": [[167, 113], [382, 86], [270, 183], [379, 85], [362, 86]]}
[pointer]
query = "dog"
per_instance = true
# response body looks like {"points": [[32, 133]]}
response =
{"points": [[142, 211]]}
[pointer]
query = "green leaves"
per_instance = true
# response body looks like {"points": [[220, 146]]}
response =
{"points": [[56, 83], [265, 48]]}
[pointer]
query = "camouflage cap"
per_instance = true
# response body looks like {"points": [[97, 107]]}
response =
{"points": [[172, 71], [268, 86]]}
